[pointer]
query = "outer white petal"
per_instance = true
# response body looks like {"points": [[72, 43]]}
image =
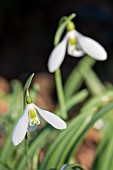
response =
{"points": [[51, 118], [57, 55], [73, 51], [20, 129], [91, 47]]}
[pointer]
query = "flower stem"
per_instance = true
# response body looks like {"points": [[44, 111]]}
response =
{"points": [[60, 93], [58, 77], [26, 151]]}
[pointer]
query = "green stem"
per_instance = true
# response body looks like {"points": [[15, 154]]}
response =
{"points": [[60, 93], [27, 153], [58, 77]]}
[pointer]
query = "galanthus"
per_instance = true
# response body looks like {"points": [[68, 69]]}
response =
{"points": [[30, 120], [77, 45]]}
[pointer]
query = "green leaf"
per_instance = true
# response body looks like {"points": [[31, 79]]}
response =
{"points": [[74, 100], [68, 141], [54, 154], [98, 101], [92, 81], [14, 112], [75, 78], [77, 98], [104, 156], [4, 166], [36, 144]]}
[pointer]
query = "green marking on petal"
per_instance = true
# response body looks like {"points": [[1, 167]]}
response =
{"points": [[72, 41], [33, 117], [37, 122], [32, 114], [32, 122]]}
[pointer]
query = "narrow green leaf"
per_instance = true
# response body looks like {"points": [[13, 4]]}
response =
{"points": [[60, 144], [14, 112], [37, 144], [72, 136], [92, 119], [73, 84], [74, 100], [4, 166], [92, 81], [98, 101], [104, 157]]}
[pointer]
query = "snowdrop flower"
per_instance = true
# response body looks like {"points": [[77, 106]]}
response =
{"points": [[77, 45], [30, 120]]}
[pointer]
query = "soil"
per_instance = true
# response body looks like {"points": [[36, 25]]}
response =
{"points": [[86, 152]]}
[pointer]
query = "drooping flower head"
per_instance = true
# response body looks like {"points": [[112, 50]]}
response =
{"points": [[77, 45], [30, 120]]}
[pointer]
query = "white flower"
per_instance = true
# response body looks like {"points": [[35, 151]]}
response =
{"points": [[78, 48], [30, 120]]}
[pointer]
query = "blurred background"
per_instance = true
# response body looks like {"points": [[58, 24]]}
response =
{"points": [[27, 29]]}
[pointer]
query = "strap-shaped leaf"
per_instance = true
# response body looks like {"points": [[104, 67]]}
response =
{"points": [[104, 157], [15, 102], [74, 100], [36, 144], [61, 149], [92, 81], [75, 78]]}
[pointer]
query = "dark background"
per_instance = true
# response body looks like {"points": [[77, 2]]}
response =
{"points": [[27, 30]]}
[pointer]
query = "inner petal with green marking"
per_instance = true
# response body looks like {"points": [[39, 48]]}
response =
{"points": [[33, 117], [73, 41]]}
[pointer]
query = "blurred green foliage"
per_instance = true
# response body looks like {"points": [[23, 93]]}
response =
{"points": [[95, 103]]}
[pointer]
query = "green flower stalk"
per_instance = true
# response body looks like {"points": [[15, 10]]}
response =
{"points": [[76, 45]]}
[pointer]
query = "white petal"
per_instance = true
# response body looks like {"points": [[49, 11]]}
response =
{"points": [[20, 129], [73, 51], [91, 47], [57, 56], [51, 118]]}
